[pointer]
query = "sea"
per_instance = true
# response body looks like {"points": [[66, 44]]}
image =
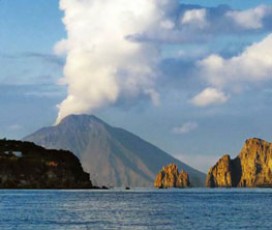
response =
{"points": [[136, 209]]}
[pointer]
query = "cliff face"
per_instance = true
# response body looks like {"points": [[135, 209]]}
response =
{"points": [[26, 165], [220, 174], [256, 164], [251, 168], [169, 177]]}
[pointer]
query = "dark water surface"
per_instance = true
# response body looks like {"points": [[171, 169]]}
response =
{"points": [[136, 209]]}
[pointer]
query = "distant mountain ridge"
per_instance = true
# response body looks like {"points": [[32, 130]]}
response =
{"points": [[112, 156]]}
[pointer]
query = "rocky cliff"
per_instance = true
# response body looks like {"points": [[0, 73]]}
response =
{"points": [[26, 165], [169, 177], [251, 168]]}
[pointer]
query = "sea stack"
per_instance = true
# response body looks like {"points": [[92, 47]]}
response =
{"points": [[251, 168], [169, 177]]}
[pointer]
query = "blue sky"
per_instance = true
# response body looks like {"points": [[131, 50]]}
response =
{"points": [[209, 88], [233, 3]]}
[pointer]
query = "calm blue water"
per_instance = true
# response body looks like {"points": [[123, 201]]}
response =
{"points": [[138, 209]]}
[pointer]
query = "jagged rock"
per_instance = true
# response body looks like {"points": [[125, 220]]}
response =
{"points": [[169, 177], [220, 174], [251, 168], [26, 165]]}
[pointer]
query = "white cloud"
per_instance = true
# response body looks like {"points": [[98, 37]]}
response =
{"points": [[252, 65], [204, 24], [102, 63], [249, 19], [209, 96], [112, 50], [195, 17], [185, 128]]}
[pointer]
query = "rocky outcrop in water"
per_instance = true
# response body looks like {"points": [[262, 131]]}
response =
{"points": [[26, 165], [169, 177], [251, 168], [221, 174]]}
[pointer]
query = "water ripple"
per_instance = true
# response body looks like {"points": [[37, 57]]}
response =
{"points": [[136, 209]]}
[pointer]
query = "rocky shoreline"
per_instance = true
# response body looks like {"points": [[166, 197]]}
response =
{"points": [[251, 168], [25, 165]]}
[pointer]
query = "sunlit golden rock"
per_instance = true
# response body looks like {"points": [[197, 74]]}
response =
{"points": [[251, 168], [169, 177]]}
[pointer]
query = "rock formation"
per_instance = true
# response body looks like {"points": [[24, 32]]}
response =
{"points": [[221, 174], [169, 177], [26, 165], [251, 168]]}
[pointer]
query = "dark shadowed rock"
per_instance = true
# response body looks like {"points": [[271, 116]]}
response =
{"points": [[26, 165], [169, 177], [251, 168]]}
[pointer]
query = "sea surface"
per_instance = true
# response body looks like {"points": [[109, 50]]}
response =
{"points": [[136, 209]]}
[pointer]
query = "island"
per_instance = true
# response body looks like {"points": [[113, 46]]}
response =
{"points": [[251, 168], [29, 166], [170, 177]]}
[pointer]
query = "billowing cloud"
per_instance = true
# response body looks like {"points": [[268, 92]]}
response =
{"points": [[102, 62], [209, 96], [252, 66], [250, 19], [194, 24], [185, 128], [112, 49]]}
